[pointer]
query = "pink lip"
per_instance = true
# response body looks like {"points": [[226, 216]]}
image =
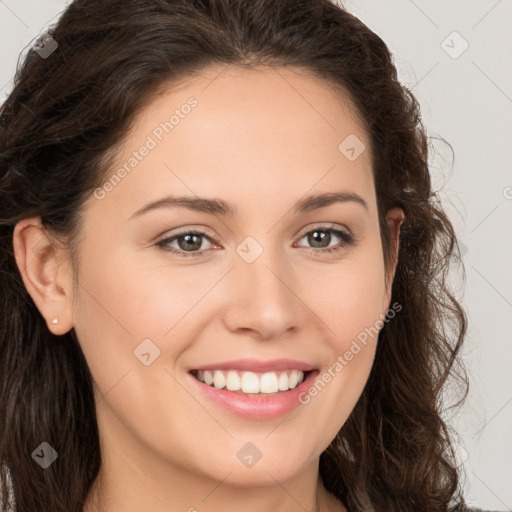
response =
{"points": [[257, 365], [256, 407]]}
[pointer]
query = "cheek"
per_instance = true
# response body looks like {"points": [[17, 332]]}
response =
{"points": [[123, 302], [134, 298], [356, 319], [350, 297], [351, 304], [357, 308]]}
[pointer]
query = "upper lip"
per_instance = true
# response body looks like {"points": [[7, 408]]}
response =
{"points": [[257, 365]]}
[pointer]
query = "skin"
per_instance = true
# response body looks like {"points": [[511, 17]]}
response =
{"points": [[261, 140]]}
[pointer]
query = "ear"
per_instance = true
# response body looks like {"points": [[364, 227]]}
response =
{"points": [[394, 218], [42, 265]]}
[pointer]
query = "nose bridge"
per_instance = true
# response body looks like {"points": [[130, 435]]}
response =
{"points": [[264, 277], [261, 298]]}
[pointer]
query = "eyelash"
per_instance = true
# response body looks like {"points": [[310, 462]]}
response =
{"points": [[347, 240]]}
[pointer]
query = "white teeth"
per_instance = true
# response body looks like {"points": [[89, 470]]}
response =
{"points": [[293, 379], [283, 382], [251, 382], [219, 380], [268, 383], [208, 378], [233, 381]]}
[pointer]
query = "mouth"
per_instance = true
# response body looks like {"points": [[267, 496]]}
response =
{"points": [[260, 395], [252, 383]]}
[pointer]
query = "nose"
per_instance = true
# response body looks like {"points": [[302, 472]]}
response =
{"points": [[263, 302]]}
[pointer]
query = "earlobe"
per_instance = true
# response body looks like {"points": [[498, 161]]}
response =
{"points": [[39, 261]]}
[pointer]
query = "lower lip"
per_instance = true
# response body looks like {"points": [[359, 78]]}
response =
{"points": [[257, 407]]}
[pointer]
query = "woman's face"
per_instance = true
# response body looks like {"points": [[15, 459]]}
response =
{"points": [[258, 285]]}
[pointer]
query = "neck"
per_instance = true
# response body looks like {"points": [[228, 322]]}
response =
{"points": [[133, 490], [135, 478]]}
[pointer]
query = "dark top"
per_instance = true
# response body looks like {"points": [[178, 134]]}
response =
{"points": [[480, 510]]}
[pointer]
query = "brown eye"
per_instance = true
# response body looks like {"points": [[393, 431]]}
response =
{"points": [[320, 239], [190, 242]]}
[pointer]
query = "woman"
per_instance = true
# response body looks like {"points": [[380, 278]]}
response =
{"points": [[223, 267]]}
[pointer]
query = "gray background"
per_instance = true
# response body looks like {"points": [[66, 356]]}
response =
{"points": [[466, 99]]}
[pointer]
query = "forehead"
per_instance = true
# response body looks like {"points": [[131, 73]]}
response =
{"points": [[242, 133], [290, 100]]}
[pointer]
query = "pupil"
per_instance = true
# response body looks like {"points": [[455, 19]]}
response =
{"points": [[318, 236], [192, 245]]}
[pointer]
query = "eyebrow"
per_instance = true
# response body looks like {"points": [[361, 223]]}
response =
{"points": [[223, 208]]}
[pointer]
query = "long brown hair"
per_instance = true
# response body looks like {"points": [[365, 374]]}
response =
{"points": [[59, 128]]}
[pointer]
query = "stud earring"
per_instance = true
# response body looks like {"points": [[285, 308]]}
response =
{"points": [[55, 321]]}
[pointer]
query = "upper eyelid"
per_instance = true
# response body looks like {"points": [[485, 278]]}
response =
{"points": [[303, 232], [328, 226]]}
